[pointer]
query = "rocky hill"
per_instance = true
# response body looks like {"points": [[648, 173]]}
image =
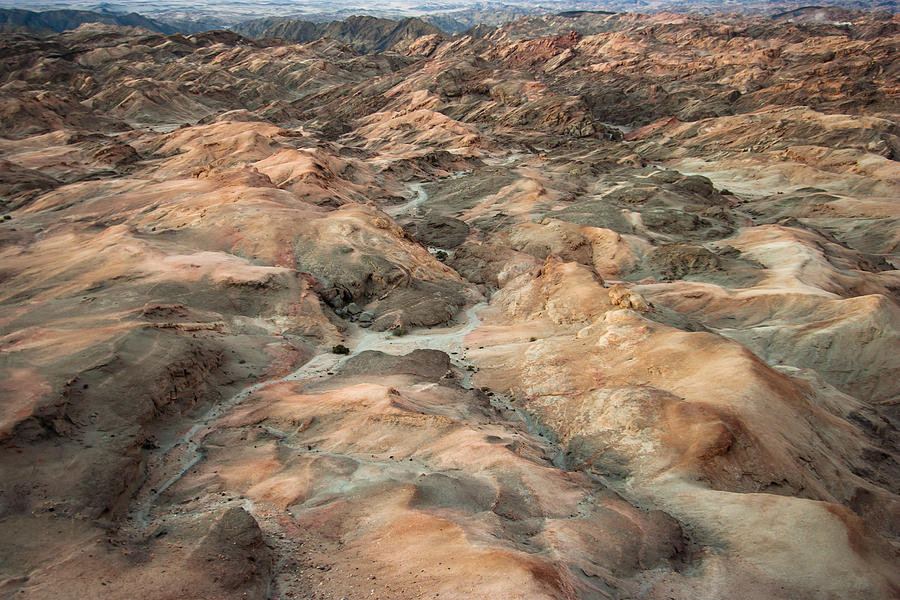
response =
{"points": [[593, 306]]}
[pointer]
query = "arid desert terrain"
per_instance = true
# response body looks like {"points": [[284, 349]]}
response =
{"points": [[577, 307]]}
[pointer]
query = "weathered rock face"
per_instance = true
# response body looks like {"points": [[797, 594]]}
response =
{"points": [[609, 313]]}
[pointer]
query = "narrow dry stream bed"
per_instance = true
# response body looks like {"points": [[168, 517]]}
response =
{"points": [[182, 454], [178, 457], [412, 207]]}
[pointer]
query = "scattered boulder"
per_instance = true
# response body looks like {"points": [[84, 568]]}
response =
{"points": [[437, 231], [429, 364], [234, 553], [623, 297], [366, 318], [117, 155]]}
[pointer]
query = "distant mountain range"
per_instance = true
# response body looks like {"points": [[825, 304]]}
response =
{"points": [[365, 34], [62, 20]]}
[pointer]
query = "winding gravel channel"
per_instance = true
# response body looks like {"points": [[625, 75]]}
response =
{"points": [[187, 450]]}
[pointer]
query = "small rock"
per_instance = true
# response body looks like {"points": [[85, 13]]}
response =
{"points": [[623, 297]]}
